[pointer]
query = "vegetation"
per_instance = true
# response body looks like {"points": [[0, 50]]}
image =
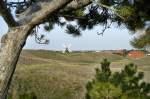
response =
{"points": [[54, 75], [127, 84], [134, 14]]}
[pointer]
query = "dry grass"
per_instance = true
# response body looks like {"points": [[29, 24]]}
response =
{"points": [[53, 75]]}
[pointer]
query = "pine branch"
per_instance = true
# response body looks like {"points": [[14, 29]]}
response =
{"points": [[110, 8], [39, 16]]}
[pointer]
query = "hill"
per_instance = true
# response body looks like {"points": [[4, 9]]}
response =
{"points": [[54, 75]]}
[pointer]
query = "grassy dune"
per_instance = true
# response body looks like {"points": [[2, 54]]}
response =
{"points": [[53, 75]]}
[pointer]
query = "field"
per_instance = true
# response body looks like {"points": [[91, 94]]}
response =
{"points": [[54, 75]]}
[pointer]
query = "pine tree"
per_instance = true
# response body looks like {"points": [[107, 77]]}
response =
{"points": [[101, 87], [127, 84]]}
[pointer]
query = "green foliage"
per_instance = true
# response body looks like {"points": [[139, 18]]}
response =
{"points": [[142, 41], [133, 14], [127, 84], [101, 87], [27, 96], [73, 30], [79, 12], [48, 27], [125, 11], [104, 74], [103, 91]]}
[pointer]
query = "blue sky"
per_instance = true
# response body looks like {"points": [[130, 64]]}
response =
{"points": [[114, 38]]}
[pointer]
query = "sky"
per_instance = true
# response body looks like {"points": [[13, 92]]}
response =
{"points": [[113, 39]]}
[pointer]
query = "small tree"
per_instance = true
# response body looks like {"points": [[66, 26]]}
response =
{"points": [[101, 87], [126, 84]]}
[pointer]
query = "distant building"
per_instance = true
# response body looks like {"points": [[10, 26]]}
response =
{"points": [[120, 52], [136, 54]]}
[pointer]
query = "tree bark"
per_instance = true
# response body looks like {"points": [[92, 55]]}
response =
{"points": [[15, 39], [10, 52]]}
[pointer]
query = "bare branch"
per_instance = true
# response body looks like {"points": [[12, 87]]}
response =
{"points": [[38, 12], [44, 9], [5, 13], [77, 4]]}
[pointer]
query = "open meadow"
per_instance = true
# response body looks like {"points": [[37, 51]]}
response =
{"points": [[54, 75]]}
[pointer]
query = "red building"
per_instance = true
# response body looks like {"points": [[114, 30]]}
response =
{"points": [[136, 54]]}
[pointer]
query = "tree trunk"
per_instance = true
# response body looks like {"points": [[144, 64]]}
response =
{"points": [[15, 39], [11, 48]]}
